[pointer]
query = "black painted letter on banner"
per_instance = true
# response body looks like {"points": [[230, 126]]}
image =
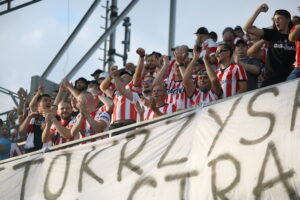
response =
{"points": [[126, 161], [144, 181], [222, 125], [215, 190], [84, 168], [27, 166], [162, 162], [254, 113], [295, 107], [283, 176], [182, 177], [47, 193]]}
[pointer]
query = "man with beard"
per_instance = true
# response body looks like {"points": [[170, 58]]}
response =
{"points": [[81, 84], [57, 131], [34, 124], [207, 88], [281, 51]]}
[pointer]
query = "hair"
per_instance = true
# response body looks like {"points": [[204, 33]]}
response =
{"points": [[42, 96], [226, 46], [228, 29], [65, 101], [185, 47], [154, 53]]}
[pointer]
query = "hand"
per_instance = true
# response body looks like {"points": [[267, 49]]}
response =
{"points": [[49, 116], [140, 52], [153, 104], [140, 109], [82, 109], [41, 89], [62, 87], [145, 101], [165, 59], [65, 83], [263, 8], [113, 68], [196, 52], [114, 73], [33, 115], [11, 114], [22, 94]]}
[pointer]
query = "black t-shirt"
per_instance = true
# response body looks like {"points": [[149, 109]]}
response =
{"points": [[252, 78], [37, 129], [280, 56]]}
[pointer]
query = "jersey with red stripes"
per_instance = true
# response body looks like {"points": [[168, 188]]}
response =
{"points": [[199, 97], [229, 78]]}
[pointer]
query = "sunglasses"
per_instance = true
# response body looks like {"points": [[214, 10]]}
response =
{"points": [[148, 81], [222, 50]]}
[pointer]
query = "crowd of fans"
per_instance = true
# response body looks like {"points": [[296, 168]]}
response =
{"points": [[246, 59]]}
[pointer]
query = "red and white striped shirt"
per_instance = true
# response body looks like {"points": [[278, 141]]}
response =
{"points": [[210, 46], [297, 44], [57, 139], [177, 95], [16, 150], [165, 109], [199, 97], [123, 108], [229, 78], [86, 129]]}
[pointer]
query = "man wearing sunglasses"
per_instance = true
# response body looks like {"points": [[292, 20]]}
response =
{"points": [[232, 77]]}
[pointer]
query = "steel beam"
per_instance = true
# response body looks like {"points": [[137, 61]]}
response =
{"points": [[70, 39], [11, 8], [112, 27], [172, 25]]}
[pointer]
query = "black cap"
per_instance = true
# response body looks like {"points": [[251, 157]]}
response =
{"points": [[202, 30], [82, 79], [125, 71], [98, 71], [283, 13]]}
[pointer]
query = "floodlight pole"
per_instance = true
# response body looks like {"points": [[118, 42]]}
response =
{"points": [[172, 24]]}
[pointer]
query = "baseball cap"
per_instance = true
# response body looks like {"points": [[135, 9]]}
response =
{"points": [[239, 40], [103, 75], [125, 71], [202, 30], [98, 71]]}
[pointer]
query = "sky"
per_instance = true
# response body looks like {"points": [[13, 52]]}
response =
{"points": [[31, 37]]}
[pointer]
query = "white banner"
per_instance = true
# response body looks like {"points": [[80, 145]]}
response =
{"points": [[247, 147]]}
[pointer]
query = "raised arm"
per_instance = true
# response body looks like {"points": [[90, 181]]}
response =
{"points": [[69, 86], [109, 104], [137, 77], [249, 28], [188, 83], [160, 77], [120, 86], [46, 135], [104, 87], [256, 50], [33, 102], [25, 124], [295, 34], [61, 93], [215, 83]]}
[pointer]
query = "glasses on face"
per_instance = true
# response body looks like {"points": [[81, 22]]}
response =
{"points": [[148, 81], [222, 50]]}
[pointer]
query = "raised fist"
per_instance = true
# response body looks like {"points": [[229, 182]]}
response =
{"points": [[140, 52], [264, 8]]}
